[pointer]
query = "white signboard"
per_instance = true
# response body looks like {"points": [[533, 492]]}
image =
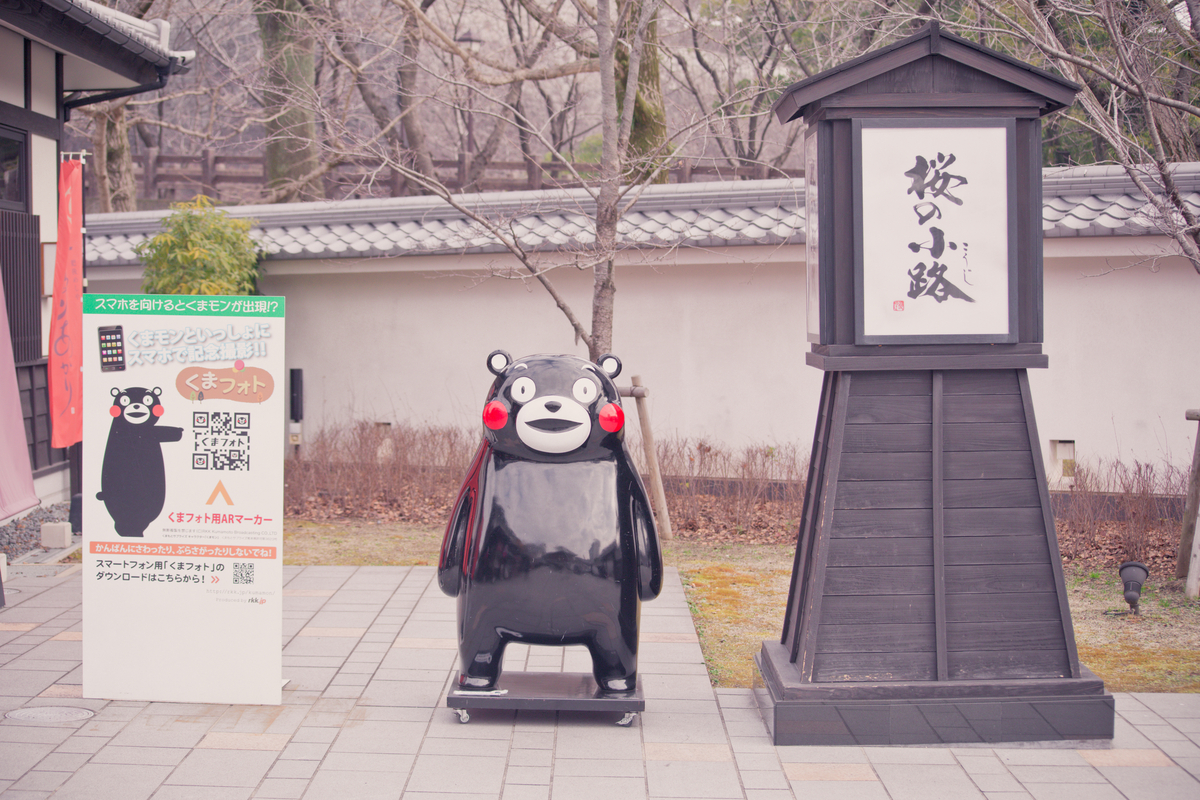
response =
{"points": [[935, 232], [183, 498]]}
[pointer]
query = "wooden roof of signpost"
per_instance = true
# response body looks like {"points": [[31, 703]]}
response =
{"points": [[905, 76]]}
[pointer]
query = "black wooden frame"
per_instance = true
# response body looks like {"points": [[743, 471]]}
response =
{"points": [[1000, 337]]}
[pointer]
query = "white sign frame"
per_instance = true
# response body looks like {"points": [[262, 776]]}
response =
{"points": [[953, 285], [183, 498]]}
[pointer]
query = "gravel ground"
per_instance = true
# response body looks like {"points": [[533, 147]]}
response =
{"points": [[22, 535]]}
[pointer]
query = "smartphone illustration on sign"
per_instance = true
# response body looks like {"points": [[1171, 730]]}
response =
{"points": [[112, 349]]}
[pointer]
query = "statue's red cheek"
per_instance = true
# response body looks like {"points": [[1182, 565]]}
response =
{"points": [[612, 418]]}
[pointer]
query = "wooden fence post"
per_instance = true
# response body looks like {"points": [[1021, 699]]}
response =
{"points": [[663, 517], [208, 174], [1187, 560]]}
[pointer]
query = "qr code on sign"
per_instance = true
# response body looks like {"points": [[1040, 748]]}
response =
{"points": [[221, 440], [243, 573]]}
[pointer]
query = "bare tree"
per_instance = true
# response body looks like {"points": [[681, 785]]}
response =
{"points": [[1137, 64]]}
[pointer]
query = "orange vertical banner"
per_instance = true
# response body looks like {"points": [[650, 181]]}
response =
{"points": [[66, 318]]}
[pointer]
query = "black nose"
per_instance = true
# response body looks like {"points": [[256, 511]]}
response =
{"points": [[553, 406]]}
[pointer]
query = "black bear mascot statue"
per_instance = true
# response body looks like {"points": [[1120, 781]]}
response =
{"points": [[552, 541]]}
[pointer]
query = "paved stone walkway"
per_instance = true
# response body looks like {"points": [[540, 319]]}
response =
{"points": [[370, 652]]}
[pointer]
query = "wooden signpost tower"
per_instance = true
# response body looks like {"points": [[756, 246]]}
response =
{"points": [[927, 601]]}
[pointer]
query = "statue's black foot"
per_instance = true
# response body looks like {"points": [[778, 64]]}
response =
{"points": [[476, 683], [619, 685]]}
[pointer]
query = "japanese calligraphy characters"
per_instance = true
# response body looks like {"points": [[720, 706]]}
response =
{"points": [[933, 177], [551, 541], [934, 248], [133, 479]]}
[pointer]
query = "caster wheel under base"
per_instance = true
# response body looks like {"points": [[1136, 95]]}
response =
{"points": [[628, 719], [463, 716]]}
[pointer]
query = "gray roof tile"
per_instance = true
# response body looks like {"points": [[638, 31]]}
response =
{"points": [[1081, 201]]}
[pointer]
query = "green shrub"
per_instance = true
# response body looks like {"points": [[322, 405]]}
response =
{"points": [[201, 250]]}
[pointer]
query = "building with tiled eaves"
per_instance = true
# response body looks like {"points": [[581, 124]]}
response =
{"points": [[394, 304]]}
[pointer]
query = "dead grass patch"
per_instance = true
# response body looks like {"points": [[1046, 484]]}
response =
{"points": [[359, 544], [736, 594]]}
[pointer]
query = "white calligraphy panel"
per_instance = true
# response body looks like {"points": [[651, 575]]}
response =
{"points": [[935, 232]]}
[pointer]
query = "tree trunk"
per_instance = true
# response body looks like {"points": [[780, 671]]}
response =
{"points": [[648, 138], [407, 76], [291, 152], [112, 158]]}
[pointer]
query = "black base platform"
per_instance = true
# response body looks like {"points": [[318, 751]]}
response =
{"points": [[922, 712], [547, 691]]}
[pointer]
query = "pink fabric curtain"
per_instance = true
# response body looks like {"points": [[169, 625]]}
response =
{"points": [[16, 478]]}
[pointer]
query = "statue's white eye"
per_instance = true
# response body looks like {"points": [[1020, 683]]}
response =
{"points": [[148, 400], [523, 390], [124, 400], [584, 390]]}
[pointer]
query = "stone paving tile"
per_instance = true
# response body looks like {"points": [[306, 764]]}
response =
{"points": [[232, 740], [763, 779], [223, 768], [769, 794], [996, 782], [379, 737], [364, 785], [148, 756], [926, 782], [203, 793], [840, 790], [530, 758], [39, 781], [525, 792], [1159, 783], [123, 781], [658, 751], [599, 768], [816, 771], [692, 779], [820, 755], [1055, 774], [282, 788], [695, 728], [578, 741], [1126, 758], [981, 764], [457, 773], [1073, 791], [908, 755], [1031, 757], [293, 769], [757, 761], [597, 788], [1126, 736], [399, 763], [421, 694]]}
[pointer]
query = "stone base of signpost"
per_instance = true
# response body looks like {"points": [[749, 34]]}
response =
{"points": [[915, 712]]}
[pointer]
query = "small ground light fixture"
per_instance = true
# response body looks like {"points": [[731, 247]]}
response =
{"points": [[1133, 575]]}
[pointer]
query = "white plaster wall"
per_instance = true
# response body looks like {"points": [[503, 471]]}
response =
{"points": [[719, 339], [718, 343], [12, 67], [43, 172], [1123, 338], [42, 80]]}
